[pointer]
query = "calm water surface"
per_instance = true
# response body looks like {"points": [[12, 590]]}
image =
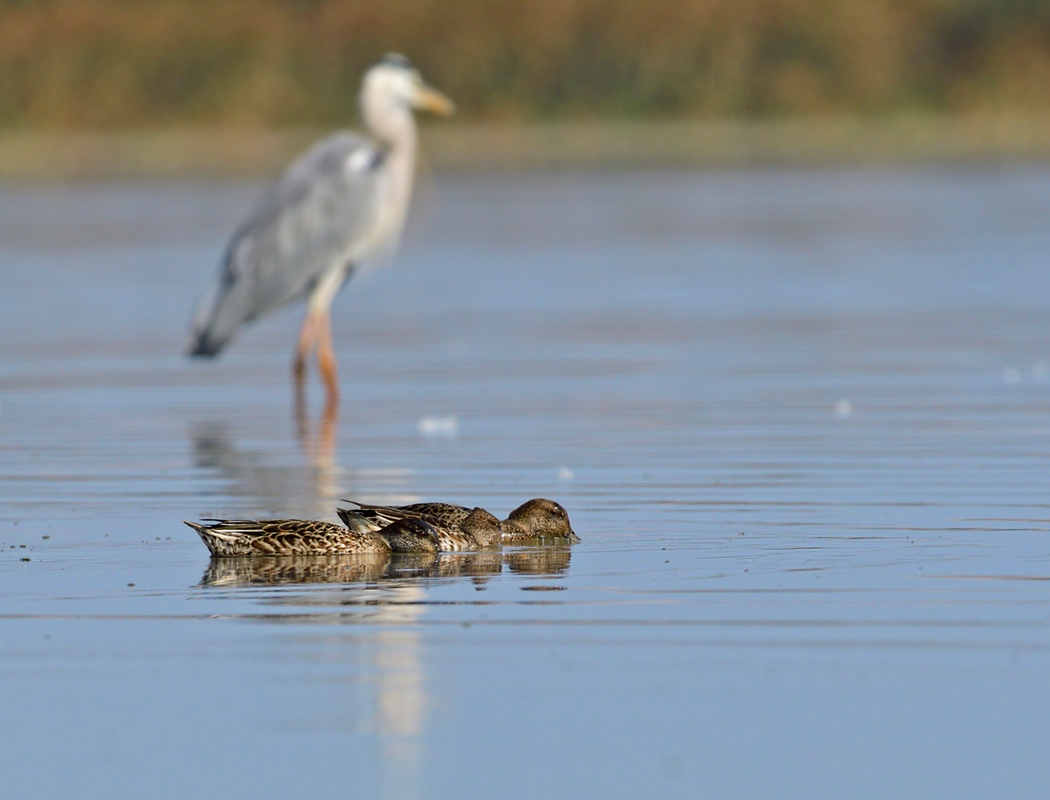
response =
{"points": [[801, 421]]}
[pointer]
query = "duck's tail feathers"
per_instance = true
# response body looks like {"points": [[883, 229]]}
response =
{"points": [[360, 521], [378, 516], [221, 538]]}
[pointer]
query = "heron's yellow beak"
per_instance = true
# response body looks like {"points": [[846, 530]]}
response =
{"points": [[430, 99]]}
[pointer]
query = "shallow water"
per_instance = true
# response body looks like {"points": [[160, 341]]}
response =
{"points": [[801, 421]]}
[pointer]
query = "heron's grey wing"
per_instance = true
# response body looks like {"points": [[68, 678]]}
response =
{"points": [[317, 217]]}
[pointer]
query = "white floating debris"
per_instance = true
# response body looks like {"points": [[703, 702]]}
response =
{"points": [[1011, 375], [565, 474], [843, 408], [1040, 371], [435, 427]]}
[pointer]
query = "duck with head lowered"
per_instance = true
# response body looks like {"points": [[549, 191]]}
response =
{"points": [[537, 519]]}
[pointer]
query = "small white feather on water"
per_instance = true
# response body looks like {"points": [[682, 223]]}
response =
{"points": [[439, 427], [843, 409], [565, 474]]}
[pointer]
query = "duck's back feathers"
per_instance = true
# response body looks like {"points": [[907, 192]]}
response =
{"points": [[457, 528], [287, 537], [444, 513]]}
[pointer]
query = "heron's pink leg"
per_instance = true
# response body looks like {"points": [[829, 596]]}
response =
{"points": [[326, 360], [307, 340]]}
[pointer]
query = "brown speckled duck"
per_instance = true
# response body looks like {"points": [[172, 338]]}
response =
{"points": [[457, 528], [300, 537], [535, 519]]}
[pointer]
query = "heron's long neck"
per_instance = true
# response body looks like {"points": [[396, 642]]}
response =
{"points": [[402, 159], [396, 132]]}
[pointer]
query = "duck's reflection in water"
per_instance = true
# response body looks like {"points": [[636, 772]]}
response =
{"points": [[390, 591], [539, 560], [393, 570], [261, 570]]}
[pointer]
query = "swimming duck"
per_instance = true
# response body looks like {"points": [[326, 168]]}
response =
{"points": [[300, 537], [535, 519], [457, 528]]}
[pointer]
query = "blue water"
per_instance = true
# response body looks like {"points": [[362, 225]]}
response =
{"points": [[800, 419]]}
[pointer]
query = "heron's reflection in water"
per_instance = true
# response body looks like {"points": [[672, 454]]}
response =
{"points": [[399, 684], [307, 485], [318, 445], [389, 592]]}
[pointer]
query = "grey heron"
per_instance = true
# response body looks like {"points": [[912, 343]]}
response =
{"points": [[338, 207]]}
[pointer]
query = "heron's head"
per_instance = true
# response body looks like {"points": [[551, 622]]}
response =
{"points": [[393, 87]]}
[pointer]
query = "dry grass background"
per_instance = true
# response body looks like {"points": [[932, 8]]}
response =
{"points": [[109, 64], [173, 86]]}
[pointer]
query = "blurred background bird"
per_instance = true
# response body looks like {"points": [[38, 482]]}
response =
{"points": [[338, 208]]}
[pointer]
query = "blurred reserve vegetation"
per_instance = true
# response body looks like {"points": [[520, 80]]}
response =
{"points": [[105, 65]]}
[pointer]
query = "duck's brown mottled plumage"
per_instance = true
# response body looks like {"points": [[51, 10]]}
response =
{"points": [[299, 537], [535, 519], [457, 528]]}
